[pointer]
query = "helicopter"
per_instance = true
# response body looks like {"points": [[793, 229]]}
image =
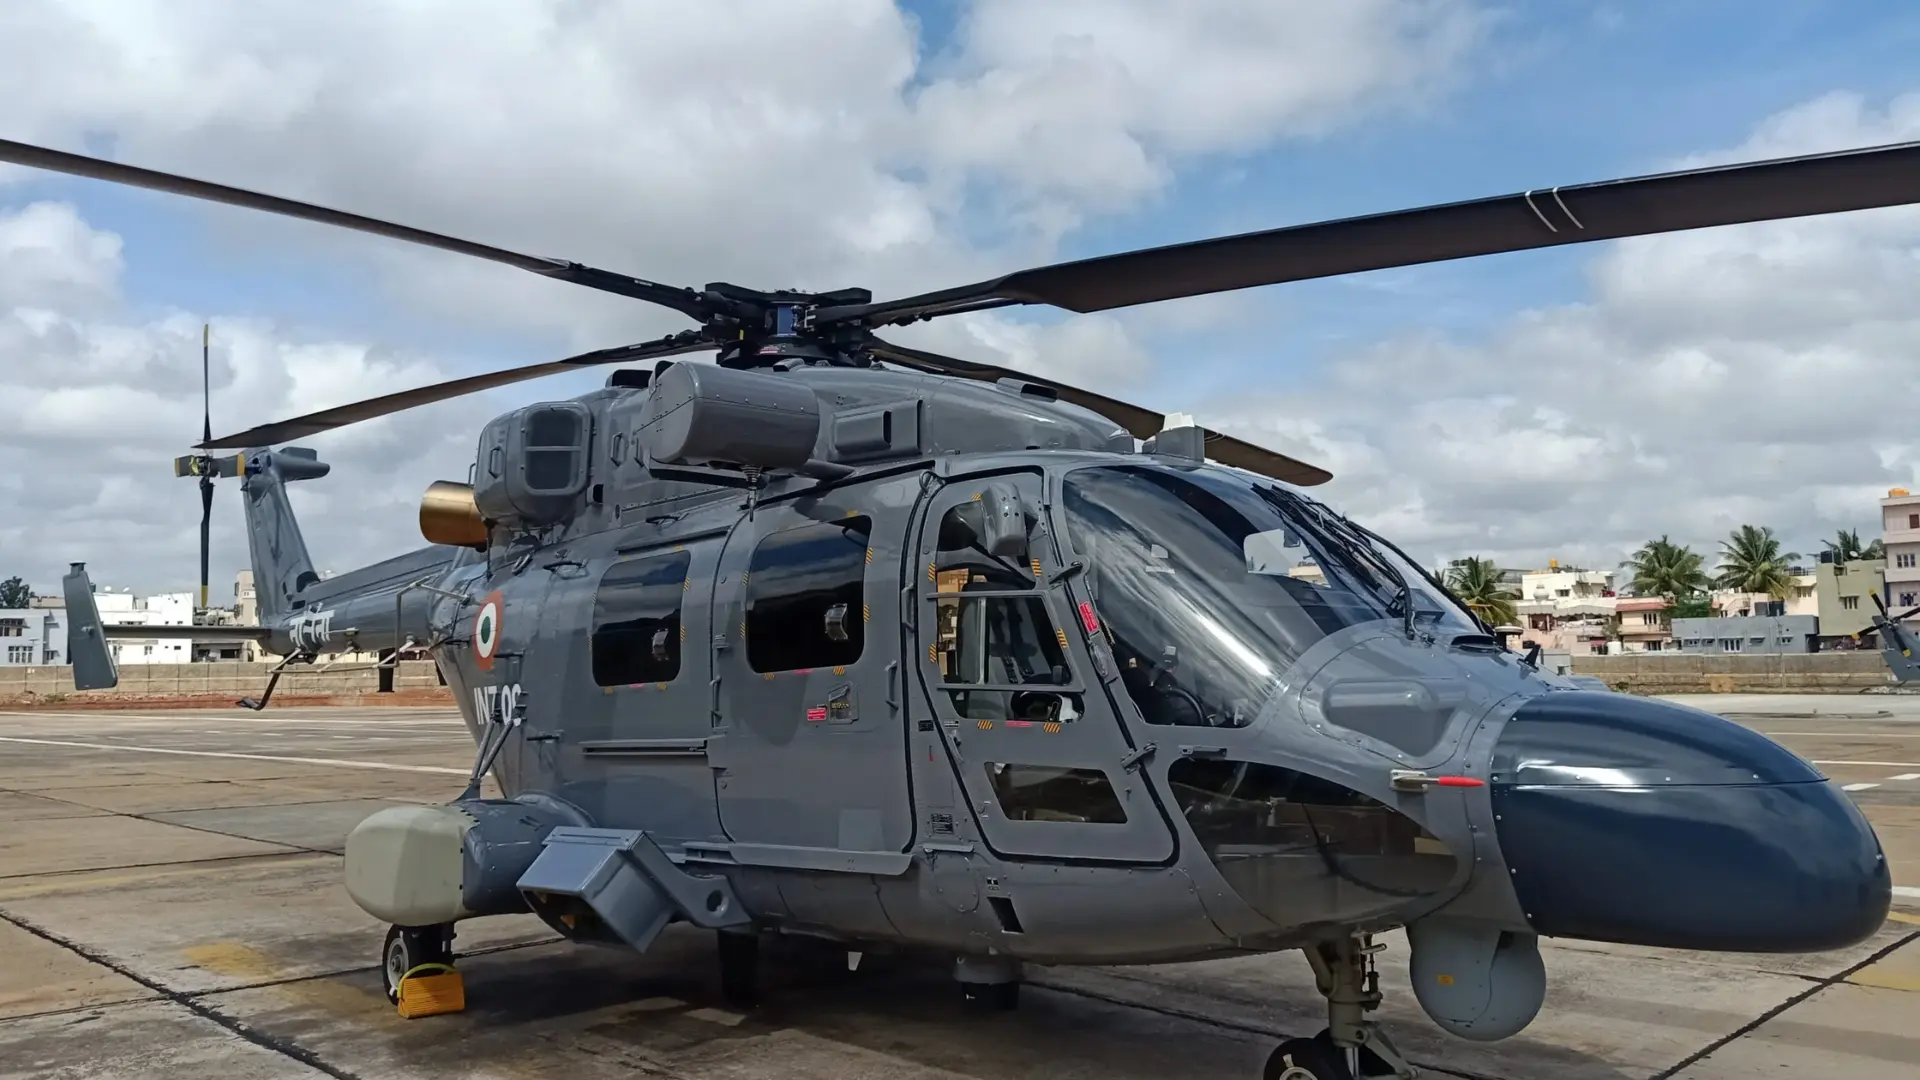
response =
{"points": [[891, 651]]}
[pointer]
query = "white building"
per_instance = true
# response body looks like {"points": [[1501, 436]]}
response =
{"points": [[1565, 586], [32, 637], [166, 609]]}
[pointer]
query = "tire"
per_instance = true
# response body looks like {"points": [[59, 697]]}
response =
{"points": [[407, 948], [1318, 1059]]}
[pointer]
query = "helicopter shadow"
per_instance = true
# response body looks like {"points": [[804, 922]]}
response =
{"points": [[898, 1015]]}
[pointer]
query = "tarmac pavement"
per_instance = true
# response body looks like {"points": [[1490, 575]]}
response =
{"points": [[171, 906]]}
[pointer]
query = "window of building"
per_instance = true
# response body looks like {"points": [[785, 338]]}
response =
{"points": [[1850, 603], [806, 596], [1756, 641], [13, 627], [1650, 618], [1801, 592], [1786, 641], [19, 654], [1913, 521], [1906, 599], [1904, 559], [1730, 644], [1049, 793], [637, 635]]}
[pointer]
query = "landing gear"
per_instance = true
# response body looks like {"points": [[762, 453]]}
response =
{"points": [[988, 983], [1352, 1047], [740, 968], [409, 947]]}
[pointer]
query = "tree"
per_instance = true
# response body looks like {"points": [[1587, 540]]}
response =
{"points": [[1751, 561], [1477, 583], [14, 593], [1692, 606], [1664, 568], [1846, 547]]}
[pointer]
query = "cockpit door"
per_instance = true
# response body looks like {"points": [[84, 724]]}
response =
{"points": [[1029, 730]]}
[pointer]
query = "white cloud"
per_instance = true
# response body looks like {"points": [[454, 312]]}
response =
{"points": [[771, 143], [1753, 374]]}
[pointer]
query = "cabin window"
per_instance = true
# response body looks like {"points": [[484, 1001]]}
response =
{"points": [[998, 640], [806, 597], [637, 634], [1051, 793], [996, 644]]}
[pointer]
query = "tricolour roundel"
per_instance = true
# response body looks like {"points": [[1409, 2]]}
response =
{"points": [[486, 630]]}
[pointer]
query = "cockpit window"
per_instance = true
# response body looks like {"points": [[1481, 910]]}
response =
{"points": [[1208, 590]]}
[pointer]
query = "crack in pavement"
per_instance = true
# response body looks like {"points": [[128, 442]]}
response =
{"points": [[284, 1047]]}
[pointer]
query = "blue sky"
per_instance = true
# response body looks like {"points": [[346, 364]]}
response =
{"points": [[1574, 91]]}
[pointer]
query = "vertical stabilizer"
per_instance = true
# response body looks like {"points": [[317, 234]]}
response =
{"points": [[282, 569], [93, 667]]}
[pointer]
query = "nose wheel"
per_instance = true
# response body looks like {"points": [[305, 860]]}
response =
{"points": [[1352, 1047]]}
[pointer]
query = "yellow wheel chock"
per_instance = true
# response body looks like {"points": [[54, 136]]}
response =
{"points": [[431, 990]]}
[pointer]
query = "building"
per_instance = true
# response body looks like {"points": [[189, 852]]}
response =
{"points": [[1900, 533], [1644, 623], [1845, 597], [32, 636], [1748, 634], [166, 609], [1564, 583]]}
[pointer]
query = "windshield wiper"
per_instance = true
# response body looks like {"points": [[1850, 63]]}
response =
{"points": [[1439, 586], [1348, 541]]}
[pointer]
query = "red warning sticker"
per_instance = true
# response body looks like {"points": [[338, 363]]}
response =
{"points": [[1086, 618], [816, 712]]}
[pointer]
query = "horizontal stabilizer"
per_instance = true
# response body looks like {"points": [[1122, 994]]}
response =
{"points": [[189, 633]]}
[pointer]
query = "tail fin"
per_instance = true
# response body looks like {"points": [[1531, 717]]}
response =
{"points": [[87, 651], [282, 569]]}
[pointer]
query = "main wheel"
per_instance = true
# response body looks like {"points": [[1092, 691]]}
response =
{"points": [[406, 948], [1319, 1058]]}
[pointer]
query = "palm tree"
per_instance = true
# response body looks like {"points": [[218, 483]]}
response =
{"points": [[1664, 568], [1846, 547], [1477, 584], [1751, 561]]}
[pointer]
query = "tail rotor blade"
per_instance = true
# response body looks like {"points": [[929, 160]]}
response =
{"points": [[206, 522], [206, 385]]}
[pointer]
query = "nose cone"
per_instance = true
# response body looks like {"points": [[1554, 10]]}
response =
{"points": [[1639, 821]]}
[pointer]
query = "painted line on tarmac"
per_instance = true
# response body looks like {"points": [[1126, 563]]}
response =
{"points": [[1908, 891], [1876, 764], [1858, 787], [1844, 734], [339, 762]]}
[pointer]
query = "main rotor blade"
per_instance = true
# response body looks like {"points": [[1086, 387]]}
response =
{"points": [[327, 419], [1668, 202], [685, 301], [1140, 423]]}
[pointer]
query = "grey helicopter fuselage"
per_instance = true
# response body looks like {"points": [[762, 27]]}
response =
{"points": [[832, 694]]}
